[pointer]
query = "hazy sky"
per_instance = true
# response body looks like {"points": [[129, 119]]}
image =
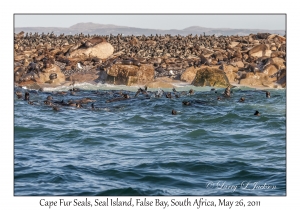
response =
{"points": [[275, 22]]}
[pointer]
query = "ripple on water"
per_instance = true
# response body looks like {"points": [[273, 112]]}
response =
{"points": [[137, 147]]}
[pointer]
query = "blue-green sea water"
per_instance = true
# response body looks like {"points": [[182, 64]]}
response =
{"points": [[137, 147]]}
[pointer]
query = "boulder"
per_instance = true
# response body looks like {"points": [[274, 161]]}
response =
{"points": [[44, 76], [102, 51], [130, 74], [83, 77], [189, 75], [30, 85], [282, 78], [278, 62], [239, 64], [270, 70], [233, 44], [259, 51], [250, 82], [159, 84], [211, 76], [162, 82], [257, 79], [231, 72]]}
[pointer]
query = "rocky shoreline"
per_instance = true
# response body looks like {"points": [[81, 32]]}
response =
{"points": [[256, 60]]}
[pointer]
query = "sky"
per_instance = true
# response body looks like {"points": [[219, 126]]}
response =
{"points": [[154, 21]]}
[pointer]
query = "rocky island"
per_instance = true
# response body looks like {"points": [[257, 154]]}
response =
{"points": [[256, 60]]}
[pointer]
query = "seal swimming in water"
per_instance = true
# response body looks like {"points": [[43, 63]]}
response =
{"points": [[169, 95], [19, 94], [55, 108], [78, 105], [26, 96], [191, 91], [242, 99], [257, 113], [49, 98], [227, 91], [174, 112], [187, 103], [47, 102], [125, 97], [268, 94]]}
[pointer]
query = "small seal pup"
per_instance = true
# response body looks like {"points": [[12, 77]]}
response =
{"points": [[257, 113]]}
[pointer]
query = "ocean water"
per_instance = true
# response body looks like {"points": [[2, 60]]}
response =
{"points": [[137, 147]]}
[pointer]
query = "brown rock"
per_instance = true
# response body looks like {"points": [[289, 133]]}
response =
{"points": [[282, 78], [271, 70], [159, 84], [209, 76], [233, 44], [250, 82], [27, 83], [130, 74], [145, 74], [189, 75], [260, 50], [102, 51], [239, 64], [44, 77], [257, 79], [80, 77], [231, 72], [278, 62]]}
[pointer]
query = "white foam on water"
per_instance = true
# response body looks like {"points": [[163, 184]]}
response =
{"points": [[179, 86]]}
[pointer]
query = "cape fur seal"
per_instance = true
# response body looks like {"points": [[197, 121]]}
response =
{"points": [[257, 113]]}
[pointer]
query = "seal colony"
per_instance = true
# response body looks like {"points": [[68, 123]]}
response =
{"points": [[61, 100], [49, 59]]}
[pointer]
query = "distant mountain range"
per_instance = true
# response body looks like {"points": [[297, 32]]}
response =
{"points": [[106, 29]]}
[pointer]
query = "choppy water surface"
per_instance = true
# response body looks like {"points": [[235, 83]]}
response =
{"points": [[137, 147]]}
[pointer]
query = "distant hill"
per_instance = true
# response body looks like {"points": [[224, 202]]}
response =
{"points": [[105, 29]]}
